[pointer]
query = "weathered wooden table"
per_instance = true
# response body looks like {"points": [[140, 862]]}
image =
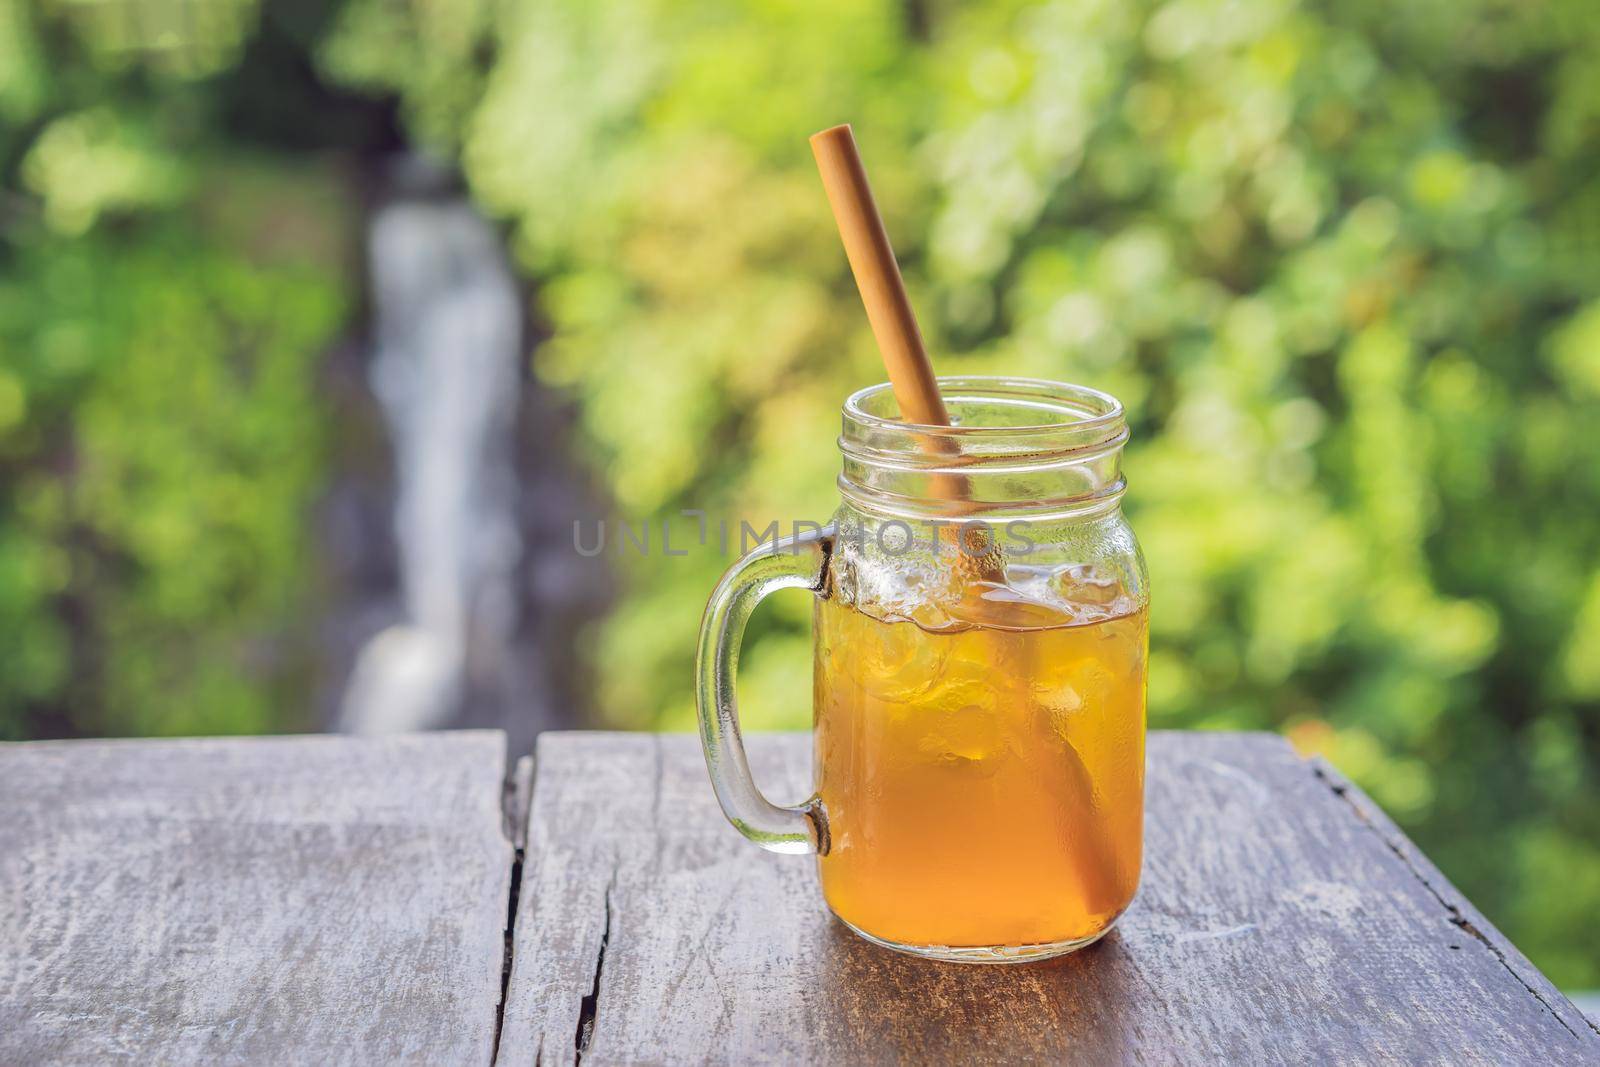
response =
{"points": [[334, 900]]}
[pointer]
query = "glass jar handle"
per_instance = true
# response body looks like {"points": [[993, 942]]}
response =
{"points": [[792, 562]]}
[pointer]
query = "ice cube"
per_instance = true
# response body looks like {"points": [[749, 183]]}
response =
{"points": [[1060, 702], [897, 662], [969, 739], [1007, 607]]}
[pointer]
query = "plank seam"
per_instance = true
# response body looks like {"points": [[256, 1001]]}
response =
{"points": [[1342, 791], [515, 797]]}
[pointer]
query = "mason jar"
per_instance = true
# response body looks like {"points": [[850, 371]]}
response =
{"points": [[980, 649]]}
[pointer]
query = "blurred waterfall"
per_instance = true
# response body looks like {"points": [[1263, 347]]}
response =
{"points": [[456, 597], [445, 370]]}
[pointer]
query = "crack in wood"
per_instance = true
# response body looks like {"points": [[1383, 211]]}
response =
{"points": [[1460, 921], [510, 950], [515, 798], [589, 1007]]}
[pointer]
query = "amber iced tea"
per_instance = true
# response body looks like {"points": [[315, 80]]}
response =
{"points": [[983, 785]]}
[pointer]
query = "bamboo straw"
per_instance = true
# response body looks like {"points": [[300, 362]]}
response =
{"points": [[883, 291]]}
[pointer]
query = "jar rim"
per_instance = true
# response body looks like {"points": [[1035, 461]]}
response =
{"points": [[1081, 417], [1039, 446], [1088, 408]]}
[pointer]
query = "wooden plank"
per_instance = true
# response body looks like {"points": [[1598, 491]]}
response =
{"points": [[1281, 919], [286, 900]]}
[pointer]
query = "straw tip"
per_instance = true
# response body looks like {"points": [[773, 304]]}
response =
{"points": [[832, 133]]}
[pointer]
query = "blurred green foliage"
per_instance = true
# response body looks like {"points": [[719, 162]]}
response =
{"points": [[1339, 260], [165, 442], [167, 298]]}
